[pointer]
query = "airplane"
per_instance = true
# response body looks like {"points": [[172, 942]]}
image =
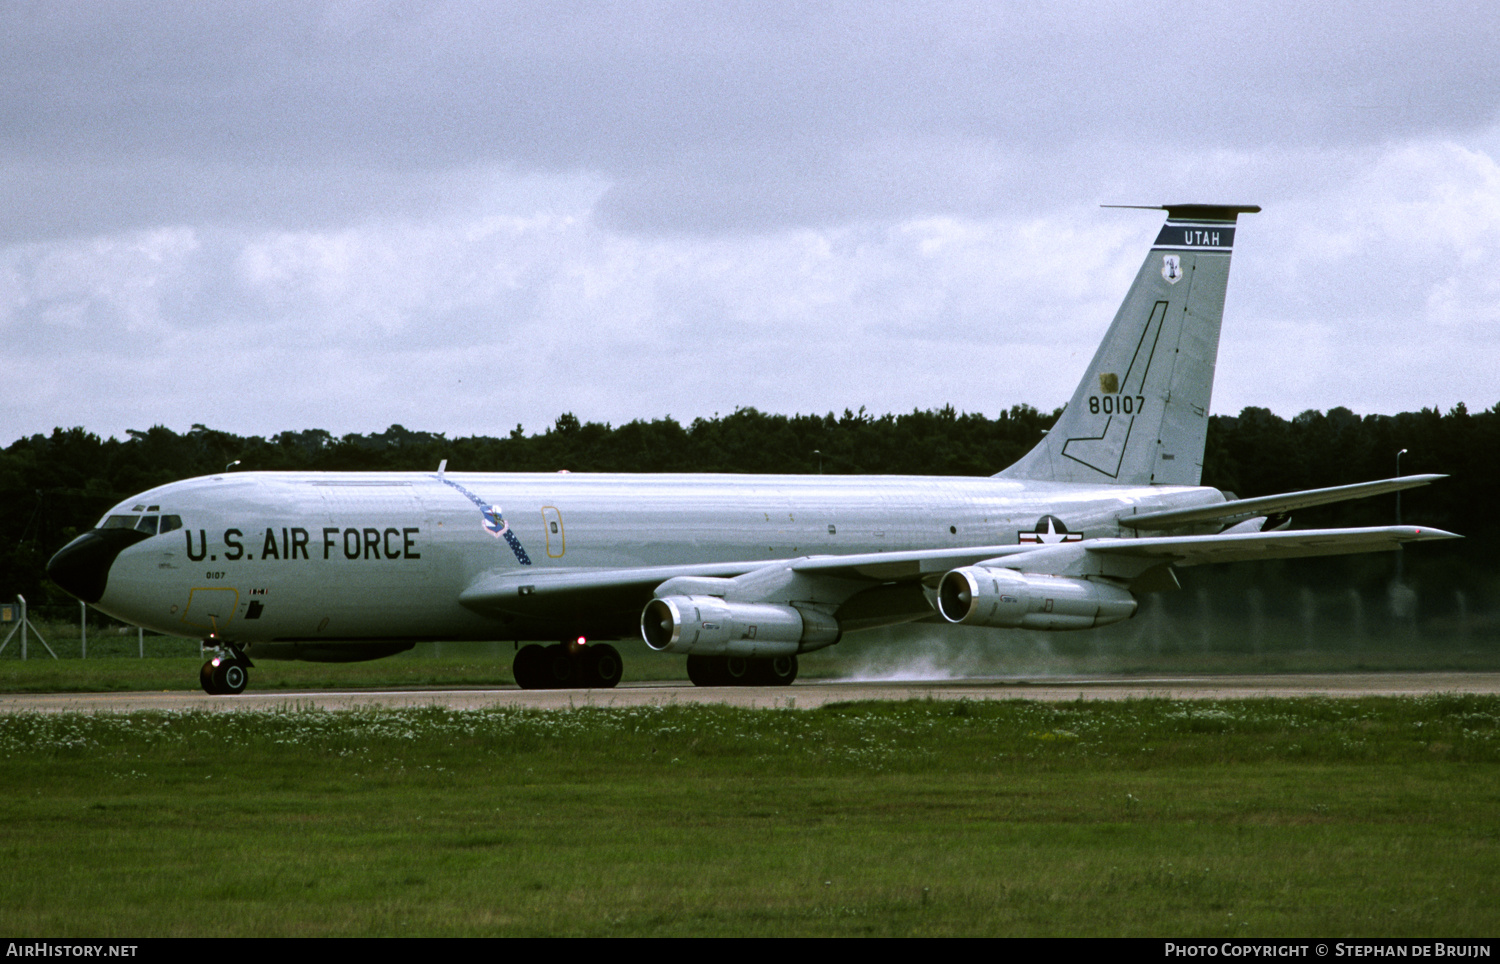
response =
{"points": [[741, 574]]}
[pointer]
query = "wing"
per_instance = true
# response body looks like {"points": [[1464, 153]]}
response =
{"points": [[883, 588], [1243, 547], [1238, 509], [1123, 559], [1128, 558]]}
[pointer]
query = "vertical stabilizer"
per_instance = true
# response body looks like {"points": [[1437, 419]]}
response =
{"points": [[1140, 414]]}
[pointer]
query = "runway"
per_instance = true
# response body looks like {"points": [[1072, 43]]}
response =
{"points": [[802, 695]]}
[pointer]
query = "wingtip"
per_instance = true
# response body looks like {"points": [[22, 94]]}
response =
{"points": [[1429, 534]]}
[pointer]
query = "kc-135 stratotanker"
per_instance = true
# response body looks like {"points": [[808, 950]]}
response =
{"points": [[739, 573]]}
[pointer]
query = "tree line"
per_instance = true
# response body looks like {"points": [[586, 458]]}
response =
{"points": [[56, 486]]}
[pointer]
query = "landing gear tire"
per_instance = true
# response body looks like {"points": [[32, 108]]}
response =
{"points": [[529, 667], [739, 671], [602, 666], [742, 670], [705, 670], [228, 673], [557, 668], [230, 679], [776, 670]]}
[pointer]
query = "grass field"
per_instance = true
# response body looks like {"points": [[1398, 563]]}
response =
{"points": [[1359, 817]]}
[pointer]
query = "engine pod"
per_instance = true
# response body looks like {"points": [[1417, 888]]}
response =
{"points": [[709, 625], [1004, 598]]}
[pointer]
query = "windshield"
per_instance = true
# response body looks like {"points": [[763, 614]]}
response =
{"points": [[149, 523]]}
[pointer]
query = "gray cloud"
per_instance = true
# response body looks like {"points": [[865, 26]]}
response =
{"points": [[462, 216]]}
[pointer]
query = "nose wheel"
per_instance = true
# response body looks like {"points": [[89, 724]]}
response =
{"points": [[225, 675]]}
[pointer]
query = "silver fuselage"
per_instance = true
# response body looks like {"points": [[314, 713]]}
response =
{"points": [[387, 556]]}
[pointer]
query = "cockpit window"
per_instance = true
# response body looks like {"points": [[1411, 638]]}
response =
{"points": [[151, 524]]}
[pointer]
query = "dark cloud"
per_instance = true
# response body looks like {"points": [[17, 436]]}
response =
{"points": [[701, 115]]}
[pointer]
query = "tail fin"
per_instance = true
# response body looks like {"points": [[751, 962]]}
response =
{"points": [[1140, 414]]}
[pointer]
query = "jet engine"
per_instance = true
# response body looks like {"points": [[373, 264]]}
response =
{"points": [[709, 625], [980, 596]]}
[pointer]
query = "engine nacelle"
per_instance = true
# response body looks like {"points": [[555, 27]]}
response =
{"points": [[980, 596], [708, 625]]}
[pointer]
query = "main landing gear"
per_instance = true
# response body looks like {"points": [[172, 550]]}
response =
{"points": [[567, 666], [742, 670], [227, 674]]}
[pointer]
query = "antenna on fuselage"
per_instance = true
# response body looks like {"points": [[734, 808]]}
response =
{"points": [[442, 466]]}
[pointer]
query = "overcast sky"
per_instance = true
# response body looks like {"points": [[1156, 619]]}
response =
{"points": [[464, 217]]}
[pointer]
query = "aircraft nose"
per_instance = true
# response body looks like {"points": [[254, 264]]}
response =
{"points": [[82, 566]]}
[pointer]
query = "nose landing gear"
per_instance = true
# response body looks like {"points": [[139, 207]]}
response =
{"points": [[227, 674]]}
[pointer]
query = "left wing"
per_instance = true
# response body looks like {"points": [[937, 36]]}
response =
{"points": [[1128, 558], [1242, 547], [1237, 509]]}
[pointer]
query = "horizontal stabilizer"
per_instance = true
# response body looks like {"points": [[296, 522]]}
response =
{"points": [[1272, 504], [1194, 212]]}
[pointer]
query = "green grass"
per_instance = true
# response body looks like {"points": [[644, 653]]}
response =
{"points": [[1239, 818]]}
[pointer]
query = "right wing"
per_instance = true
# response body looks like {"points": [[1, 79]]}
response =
{"points": [[879, 588]]}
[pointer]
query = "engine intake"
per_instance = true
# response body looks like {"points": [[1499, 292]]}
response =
{"points": [[710, 625], [1004, 598]]}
